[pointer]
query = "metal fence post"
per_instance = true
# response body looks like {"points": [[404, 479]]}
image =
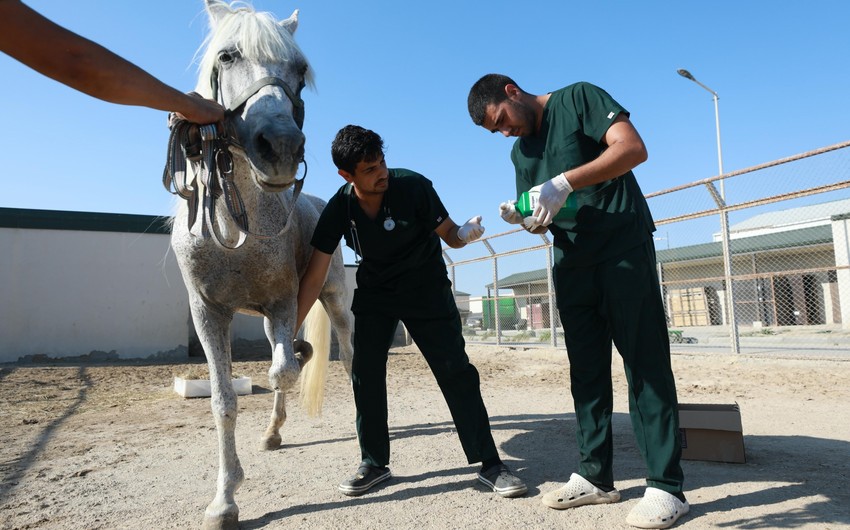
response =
{"points": [[730, 287], [727, 267], [451, 265], [553, 329], [495, 312], [496, 301]]}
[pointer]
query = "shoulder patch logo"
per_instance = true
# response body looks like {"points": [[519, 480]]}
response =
{"points": [[440, 219], [610, 115]]}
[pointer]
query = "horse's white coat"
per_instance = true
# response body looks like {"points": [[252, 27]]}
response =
{"points": [[260, 277]]}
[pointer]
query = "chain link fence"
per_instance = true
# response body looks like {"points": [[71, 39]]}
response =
{"points": [[766, 248]]}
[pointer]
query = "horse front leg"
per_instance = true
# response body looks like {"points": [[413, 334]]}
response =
{"points": [[213, 331], [282, 375], [271, 439]]}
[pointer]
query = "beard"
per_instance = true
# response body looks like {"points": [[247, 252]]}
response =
{"points": [[526, 116]]}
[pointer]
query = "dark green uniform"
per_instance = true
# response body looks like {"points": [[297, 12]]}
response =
{"points": [[402, 276], [607, 289]]}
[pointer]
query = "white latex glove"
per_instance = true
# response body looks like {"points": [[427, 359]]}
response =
{"points": [[471, 230], [553, 195], [530, 223], [507, 211]]}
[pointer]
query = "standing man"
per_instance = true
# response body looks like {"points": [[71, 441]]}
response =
{"points": [[579, 141], [392, 218]]}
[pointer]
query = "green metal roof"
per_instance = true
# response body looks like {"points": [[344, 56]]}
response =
{"points": [[520, 278], [803, 237]]}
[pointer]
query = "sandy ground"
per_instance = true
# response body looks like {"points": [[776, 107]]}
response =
{"points": [[85, 446]]}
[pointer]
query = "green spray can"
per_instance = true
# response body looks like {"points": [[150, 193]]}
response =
{"points": [[527, 203]]}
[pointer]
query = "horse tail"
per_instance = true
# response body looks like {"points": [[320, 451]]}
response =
{"points": [[317, 331]]}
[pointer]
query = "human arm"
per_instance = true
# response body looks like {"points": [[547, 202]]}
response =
{"points": [[458, 236], [88, 67], [624, 151], [311, 284]]}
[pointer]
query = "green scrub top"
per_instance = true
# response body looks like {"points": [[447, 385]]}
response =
{"points": [[612, 216], [405, 260]]}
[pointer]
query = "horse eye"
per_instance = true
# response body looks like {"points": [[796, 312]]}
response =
{"points": [[225, 57]]}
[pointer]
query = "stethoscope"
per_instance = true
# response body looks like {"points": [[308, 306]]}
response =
{"points": [[389, 225]]}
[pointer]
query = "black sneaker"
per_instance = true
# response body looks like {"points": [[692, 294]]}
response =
{"points": [[502, 481], [367, 476]]}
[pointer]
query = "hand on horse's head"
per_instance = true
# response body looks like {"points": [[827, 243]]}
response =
{"points": [[199, 110]]}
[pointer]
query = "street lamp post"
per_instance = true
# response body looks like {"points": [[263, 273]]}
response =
{"points": [[687, 75], [724, 218]]}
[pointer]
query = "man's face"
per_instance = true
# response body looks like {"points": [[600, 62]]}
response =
{"points": [[369, 177], [511, 118]]}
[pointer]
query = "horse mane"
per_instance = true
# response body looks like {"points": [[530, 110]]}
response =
{"points": [[256, 35]]}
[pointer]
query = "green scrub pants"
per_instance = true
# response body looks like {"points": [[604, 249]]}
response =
{"points": [[620, 300], [441, 342]]}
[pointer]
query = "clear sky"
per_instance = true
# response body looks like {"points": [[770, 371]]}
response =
{"points": [[404, 70]]}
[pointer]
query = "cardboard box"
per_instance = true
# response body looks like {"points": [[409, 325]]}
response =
{"points": [[711, 432]]}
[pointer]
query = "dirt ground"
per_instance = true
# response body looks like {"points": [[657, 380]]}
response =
{"points": [[113, 447]]}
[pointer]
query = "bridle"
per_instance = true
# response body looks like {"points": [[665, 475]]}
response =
{"points": [[208, 150]]}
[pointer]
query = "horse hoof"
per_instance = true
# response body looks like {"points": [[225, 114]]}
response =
{"points": [[228, 521], [270, 443], [303, 351]]}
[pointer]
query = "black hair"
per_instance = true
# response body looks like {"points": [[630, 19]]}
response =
{"points": [[354, 144], [489, 90]]}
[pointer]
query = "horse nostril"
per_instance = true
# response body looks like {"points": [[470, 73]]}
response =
{"points": [[265, 148], [276, 145]]}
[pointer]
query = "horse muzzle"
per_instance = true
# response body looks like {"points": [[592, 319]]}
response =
{"points": [[274, 148]]}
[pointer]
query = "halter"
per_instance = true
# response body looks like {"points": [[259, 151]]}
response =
{"points": [[209, 152]]}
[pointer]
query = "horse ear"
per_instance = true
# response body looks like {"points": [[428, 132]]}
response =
{"points": [[291, 23], [216, 10]]}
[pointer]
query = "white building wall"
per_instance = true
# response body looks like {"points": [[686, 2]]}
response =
{"points": [[69, 293]]}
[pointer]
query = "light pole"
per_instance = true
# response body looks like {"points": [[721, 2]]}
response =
{"points": [[687, 75], [724, 219]]}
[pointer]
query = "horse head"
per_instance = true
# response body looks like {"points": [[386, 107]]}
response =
{"points": [[254, 68]]}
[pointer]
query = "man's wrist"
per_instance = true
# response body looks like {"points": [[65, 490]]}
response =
{"points": [[567, 185]]}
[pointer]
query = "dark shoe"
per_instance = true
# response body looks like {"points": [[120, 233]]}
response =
{"points": [[502, 481], [367, 476]]}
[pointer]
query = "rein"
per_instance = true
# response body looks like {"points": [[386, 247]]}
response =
{"points": [[209, 153]]}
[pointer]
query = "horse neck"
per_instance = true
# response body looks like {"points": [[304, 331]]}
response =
{"points": [[266, 211]]}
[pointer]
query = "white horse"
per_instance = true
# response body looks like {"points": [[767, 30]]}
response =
{"points": [[245, 251]]}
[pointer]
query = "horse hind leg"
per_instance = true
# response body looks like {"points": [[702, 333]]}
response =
{"points": [[334, 297]]}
